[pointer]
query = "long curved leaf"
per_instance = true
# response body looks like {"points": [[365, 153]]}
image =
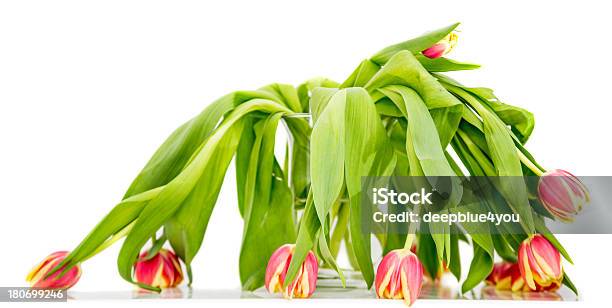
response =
{"points": [[176, 191], [404, 69], [185, 230], [368, 152], [504, 156], [268, 209], [119, 218], [327, 155], [307, 235], [480, 267]]}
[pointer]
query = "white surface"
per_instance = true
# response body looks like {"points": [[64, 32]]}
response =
{"points": [[88, 90]]}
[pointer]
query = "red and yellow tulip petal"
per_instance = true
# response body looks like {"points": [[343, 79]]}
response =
{"points": [[60, 279]]}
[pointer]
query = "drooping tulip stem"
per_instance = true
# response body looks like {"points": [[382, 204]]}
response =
{"points": [[117, 236], [529, 164], [411, 232], [157, 245], [409, 240], [68, 263], [481, 157]]}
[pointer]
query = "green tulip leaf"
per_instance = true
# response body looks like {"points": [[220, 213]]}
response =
{"points": [[480, 267], [268, 209]]}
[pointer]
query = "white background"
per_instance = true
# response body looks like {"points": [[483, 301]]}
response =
{"points": [[89, 89]]}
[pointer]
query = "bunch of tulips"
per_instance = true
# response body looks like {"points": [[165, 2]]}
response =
{"points": [[533, 263]]}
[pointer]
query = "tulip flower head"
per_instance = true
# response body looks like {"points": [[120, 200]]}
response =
{"points": [[443, 268], [58, 280], [442, 47], [305, 281], [399, 276], [562, 194], [540, 264], [498, 273], [161, 271], [507, 276]]}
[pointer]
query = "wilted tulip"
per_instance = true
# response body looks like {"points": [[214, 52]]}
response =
{"points": [[399, 276], [161, 271], [442, 47], [498, 273], [506, 276], [562, 194], [540, 264], [305, 281], [38, 276], [443, 268]]}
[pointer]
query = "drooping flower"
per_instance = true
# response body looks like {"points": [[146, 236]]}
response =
{"points": [[161, 271], [540, 264], [498, 273], [442, 269], [305, 281], [399, 276], [507, 276], [562, 194], [58, 280], [442, 47]]}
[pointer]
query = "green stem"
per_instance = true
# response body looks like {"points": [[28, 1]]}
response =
{"points": [[117, 236], [409, 240], [349, 251], [411, 231], [340, 229], [477, 154], [529, 164]]}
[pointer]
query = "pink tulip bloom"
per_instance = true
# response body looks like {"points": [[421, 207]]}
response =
{"points": [[161, 271], [562, 194], [540, 264], [305, 281], [38, 276], [442, 47], [399, 276]]}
